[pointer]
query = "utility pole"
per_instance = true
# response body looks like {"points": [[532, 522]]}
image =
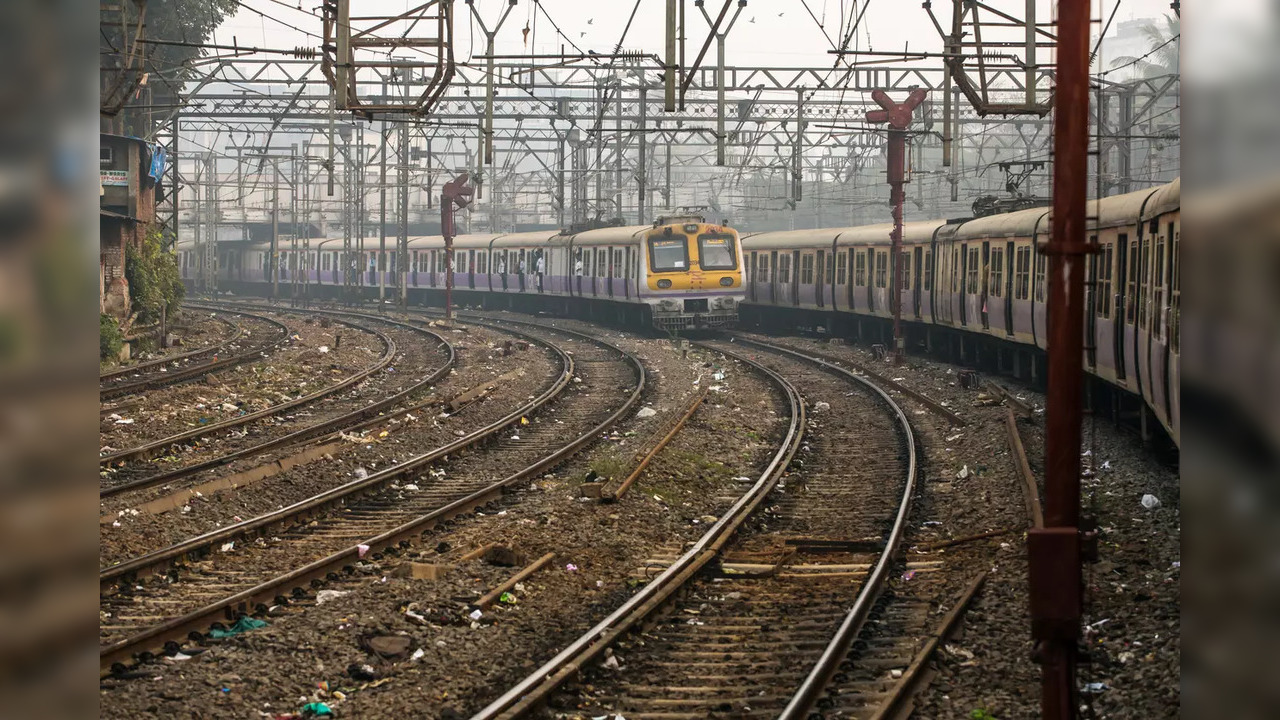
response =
{"points": [[1055, 551], [382, 201], [720, 42], [560, 161], [898, 117], [487, 133], [617, 139], [275, 225], [402, 198], [669, 72], [641, 166]]}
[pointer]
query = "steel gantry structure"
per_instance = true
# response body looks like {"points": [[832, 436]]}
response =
{"points": [[571, 139]]}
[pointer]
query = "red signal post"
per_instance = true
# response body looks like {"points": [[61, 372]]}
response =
{"points": [[456, 194], [898, 117]]}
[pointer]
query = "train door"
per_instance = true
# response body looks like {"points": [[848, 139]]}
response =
{"points": [[918, 261], [773, 276], [609, 269], [964, 284], [1093, 272], [820, 279], [1008, 287], [626, 274], [795, 277], [849, 280], [986, 284], [1124, 315], [751, 283]]}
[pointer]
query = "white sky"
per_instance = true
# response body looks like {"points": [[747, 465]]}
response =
{"points": [[782, 34]]}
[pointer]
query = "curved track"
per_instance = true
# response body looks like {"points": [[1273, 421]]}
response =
{"points": [[157, 373], [342, 421], [153, 448], [287, 553], [760, 627]]}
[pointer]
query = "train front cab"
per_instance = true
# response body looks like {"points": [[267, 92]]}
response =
{"points": [[693, 274]]}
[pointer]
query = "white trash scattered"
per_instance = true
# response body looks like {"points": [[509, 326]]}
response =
{"points": [[411, 486], [1150, 502], [361, 473], [821, 406], [228, 547], [323, 348], [325, 596], [646, 412], [964, 473], [417, 655], [476, 614], [611, 662]]}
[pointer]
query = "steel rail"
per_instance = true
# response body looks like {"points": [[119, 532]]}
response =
{"points": [[833, 654], [146, 450], [530, 691], [185, 374], [341, 422], [113, 656], [316, 504], [879, 379], [237, 332]]}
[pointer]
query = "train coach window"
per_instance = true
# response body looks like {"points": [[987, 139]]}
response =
{"points": [[997, 272], [1022, 273], [784, 269], [668, 253], [1040, 276], [928, 270], [716, 251], [1131, 279], [1105, 260], [882, 269], [860, 269], [972, 288], [842, 268], [905, 264], [806, 269]]}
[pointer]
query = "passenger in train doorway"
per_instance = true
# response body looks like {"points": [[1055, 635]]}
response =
{"points": [[577, 271], [502, 268], [541, 267], [522, 270]]}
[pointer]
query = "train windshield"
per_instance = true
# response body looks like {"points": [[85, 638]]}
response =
{"points": [[668, 254], [716, 252]]}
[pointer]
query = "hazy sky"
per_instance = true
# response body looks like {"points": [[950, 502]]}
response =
{"points": [[769, 32]]}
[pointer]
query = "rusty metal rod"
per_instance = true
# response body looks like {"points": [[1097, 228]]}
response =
{"points": [[635, 474], [492, 596], [1030, 492]]}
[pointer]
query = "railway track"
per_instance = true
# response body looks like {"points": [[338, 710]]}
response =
{"points": [[248, 568], [154, 448], [365, 410], [190, 366], [759, 623]]}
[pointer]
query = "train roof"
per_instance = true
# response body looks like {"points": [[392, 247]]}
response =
{"points": [[915, 231], [610, 235], [1023, 223]]}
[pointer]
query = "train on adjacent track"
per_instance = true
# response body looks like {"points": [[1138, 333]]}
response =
{"points": [[975, 288]]}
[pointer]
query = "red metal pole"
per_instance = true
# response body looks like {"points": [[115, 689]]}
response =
{"points": [[457, 193], [897, 172], [898, 116], [1054, 551]]}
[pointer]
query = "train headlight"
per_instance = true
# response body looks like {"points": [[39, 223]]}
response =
{"points": [[726, 281], [663, 284]]}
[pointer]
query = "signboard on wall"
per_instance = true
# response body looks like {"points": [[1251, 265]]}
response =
{"points": [[115, 177]]}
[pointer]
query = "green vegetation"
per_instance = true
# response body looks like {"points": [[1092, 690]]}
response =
{"points": [[109, 338], [981, 714], [154, 280], [610, 467]]}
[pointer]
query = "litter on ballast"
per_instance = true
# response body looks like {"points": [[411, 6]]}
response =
{"points": [[1150, 502], [361, 550], [964, 473], [646, 412], [476, 614], [571, 567], [821, 406], [228, 546], [325, 596]]}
